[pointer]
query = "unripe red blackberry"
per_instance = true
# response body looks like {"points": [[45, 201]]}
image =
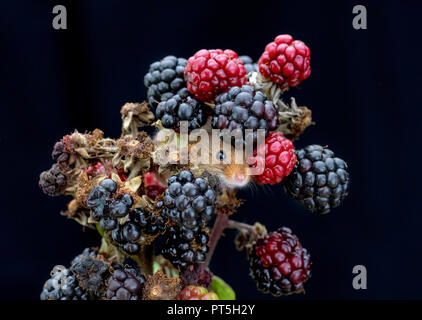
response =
{"points": [[278, 263], [277, 160], [211, 72], [125, 283], [285, 61], [319, 180], [196, 293]]}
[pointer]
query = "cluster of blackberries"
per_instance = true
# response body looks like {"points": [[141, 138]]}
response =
{"points": [[126, 283], [63, 285], [188, 201], [244, 108], [185, 247], [91, 272], [53, 181], [106, 207], [138, 229], [165, 79], [250, 66], [181, 107], [319, 180]]}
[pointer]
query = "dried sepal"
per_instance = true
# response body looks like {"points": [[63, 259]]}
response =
{"points": [[160, 287], [85, 185], [227, 203], [293, 120], [135, 115]]}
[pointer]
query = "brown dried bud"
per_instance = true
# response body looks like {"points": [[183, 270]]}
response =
{"points": [[161, 287]]}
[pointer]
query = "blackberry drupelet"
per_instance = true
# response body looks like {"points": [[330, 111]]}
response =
{"points": [[244, 108], [181, 108], [278, 263], [185, 247], [126, 283], [165, 79], [53, 181], [319, 180], [91, 273], [188, 201], [196, 293], [140, 228], [63, 286], [106, 207], [250, 66]]}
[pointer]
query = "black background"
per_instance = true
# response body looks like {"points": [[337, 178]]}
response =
{"points": [[364, 92]]}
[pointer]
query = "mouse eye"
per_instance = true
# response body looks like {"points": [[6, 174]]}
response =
{"points": [[221, 155]]}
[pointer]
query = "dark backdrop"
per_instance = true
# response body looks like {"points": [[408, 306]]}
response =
{"points": [[364, 92]]}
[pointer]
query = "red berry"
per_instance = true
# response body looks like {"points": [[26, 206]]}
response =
{"points": [[153, 186], [211, 72], [285, 61], [279, 159], [196, 293], [278, 263]]}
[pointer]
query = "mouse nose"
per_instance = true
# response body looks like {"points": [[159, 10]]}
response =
{"points": [[239, 177]]}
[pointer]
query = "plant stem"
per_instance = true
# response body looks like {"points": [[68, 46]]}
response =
{"points": [[145, 259], [231, 224], [219, 225]]}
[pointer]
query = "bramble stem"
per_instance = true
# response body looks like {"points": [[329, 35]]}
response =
{"points": [[145, 259], [242, 227], [217, 231]]}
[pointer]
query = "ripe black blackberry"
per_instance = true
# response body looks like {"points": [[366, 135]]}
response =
{"points": [[140, 228], [53, 181], [91, 272], [244, 108], [126, 283], [165, 79], [181, 108], [63, 286], [250, 66], [189, 202], [106, 207], [319, 180], [278, 263], [185, 247]]}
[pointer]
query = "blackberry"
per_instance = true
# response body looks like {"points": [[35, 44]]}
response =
{"points": [[106, 207], [185, 247], [165, 79], [188, 201], [319, 180], [91, 273], [244, 108], [90, 252], [60, 152], [63, 286], [53, 181], [278, 263], [125, 283], [250, 66], [140, 228], [181, 108]]}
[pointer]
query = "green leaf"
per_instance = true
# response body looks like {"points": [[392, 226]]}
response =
{"points": [[222, 289], [155, 267], [100, 230]]}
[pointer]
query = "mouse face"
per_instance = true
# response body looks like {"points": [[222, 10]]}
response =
{"points": [[224, 161]]}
